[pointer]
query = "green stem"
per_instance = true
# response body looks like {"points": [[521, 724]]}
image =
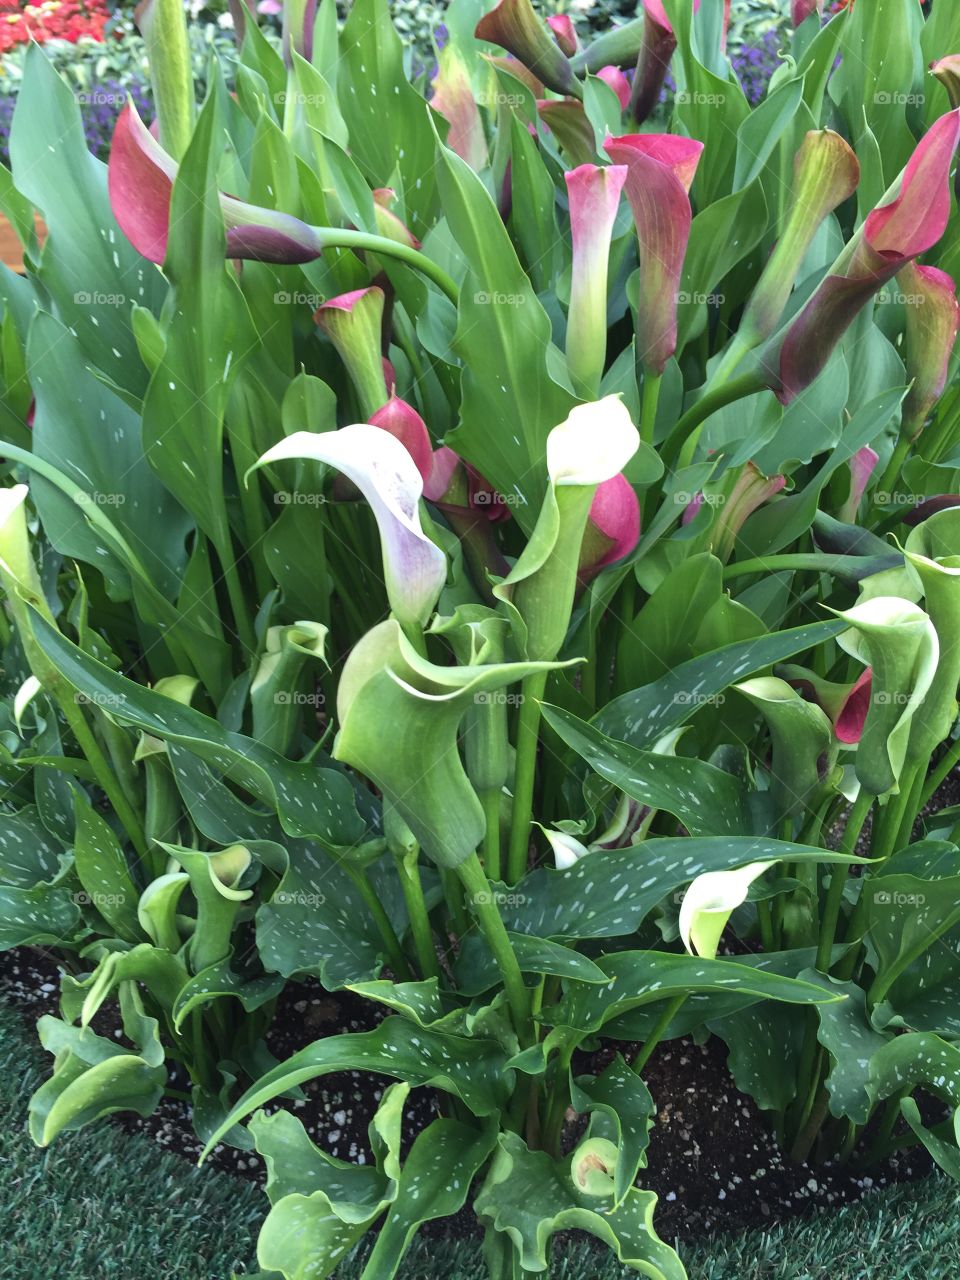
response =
{"points": [[559, 1096], [484, 906], [808, 1134], [816, 561], [528, 732], [670, 1010], [347, 238], [648, 409], [390, 940], [490, 800], [453, 896], [683, 438], [838, 879], [891, 475], [946, 766], [237, 597], [408, 869]]}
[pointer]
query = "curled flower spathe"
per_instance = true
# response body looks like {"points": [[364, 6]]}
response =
{"points": [[593, 444], [414, 567]]}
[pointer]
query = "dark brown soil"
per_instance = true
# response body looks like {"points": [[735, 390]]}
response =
{"points": [[712, 1159]]}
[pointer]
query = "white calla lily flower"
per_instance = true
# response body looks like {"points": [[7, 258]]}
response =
{"points": [[594, 444], [414, 567], [567, 850], [710, 901]]}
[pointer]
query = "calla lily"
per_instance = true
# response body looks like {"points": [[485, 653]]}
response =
{"points": [[567, 119], [893, 235], [825, 173], [801, 737], [932, 322], [653, 63], [388, 224], [862, 466], [403, 422], [298, 19], [564, 32], [453, 98], [947, 71], [472, 506], [163, 26], [613, 527], [353, 322], [593, 445], [709, 903], [750, 490], [414, 568], [594, 195], [280, 676], [514, 25], [933, 554], [566, 849], [618, 82], [660, 170], [846, 705], [140, 178], [802, 9], [897, 639]]}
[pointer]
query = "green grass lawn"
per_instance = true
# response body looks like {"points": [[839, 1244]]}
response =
{"points": [[102, 1205]]}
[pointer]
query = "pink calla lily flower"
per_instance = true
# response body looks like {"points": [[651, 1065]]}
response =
{"points": [[405, 424], [933, 320], [660, 170], [802, 9], [564, 32], [862, 466], [618, 82], [140, 179], [845, 705], [659, 45], [892, 236], [453, 99], [594, 196], [353, 323], [852, 715], [613, 527], [515, 25]]}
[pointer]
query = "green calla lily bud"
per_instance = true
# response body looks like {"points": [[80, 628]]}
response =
{"points": [[353, 322], [163, 25], [898, 640], [932, 322], [215, 880], [593, 1167], [740, 496], [18, 573], [804, 747], [709, 903], [825, 173], [933, 553], [480, 635], [280, 689], [593, 445], [400, 717], [947, 71]]}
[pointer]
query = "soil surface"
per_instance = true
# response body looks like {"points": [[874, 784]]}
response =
{"points": [[713, 1160]]}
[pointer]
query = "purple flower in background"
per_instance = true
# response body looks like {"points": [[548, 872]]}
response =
{"points": [[755, 64], [99, 107]]}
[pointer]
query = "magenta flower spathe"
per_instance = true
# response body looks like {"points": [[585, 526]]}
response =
{"points": [[515, 25], [140, 179], [613, 527], [891, 237], [862, 466], [660, 170], [594, 197], [802, 9], [405, 424], [618, 82], [932, 322], [453, 99]]}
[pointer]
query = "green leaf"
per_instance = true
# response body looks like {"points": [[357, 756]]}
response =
{"points": [[650, 977], [762, 130], [646, 714], [708, 801], [905, 916], [86, 256], [46, 915], [509, 401], [103, 871], [477, 971], [436, 1179], [28, 852], [219, 980], [472, 1069], [610, 893], [846, 1034], [664, 631], [622, 1110], [529, 1197]]}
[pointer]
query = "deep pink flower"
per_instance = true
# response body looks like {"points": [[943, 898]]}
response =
{"points": [[802, 10], [564, 32], [933, 319], [140, 179], [453, 98], [852, 715], [618, 82], [893, 235], [613, 527], [594, 197], [862, 466], [402, 421], [660, 170]]}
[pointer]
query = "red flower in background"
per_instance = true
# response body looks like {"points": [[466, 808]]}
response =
{"points": [[70, 20]]}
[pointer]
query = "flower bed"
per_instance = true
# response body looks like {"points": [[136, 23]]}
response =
{"points": [[480, 553]]}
